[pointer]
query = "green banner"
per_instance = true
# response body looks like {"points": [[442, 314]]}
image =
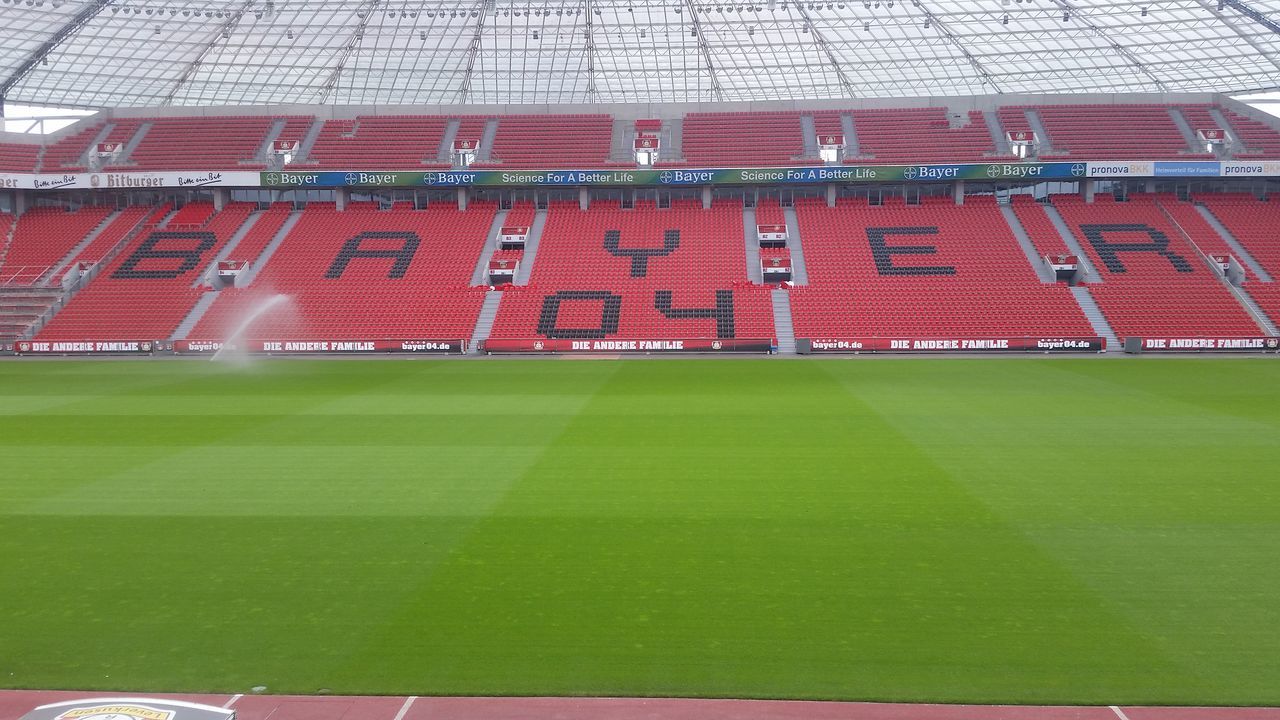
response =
{"points": [[675, 177]]}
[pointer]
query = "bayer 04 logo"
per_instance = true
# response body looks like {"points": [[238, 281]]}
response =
{"points": [[1077, 170], [665, 176], [911, 173], [351, 178]]}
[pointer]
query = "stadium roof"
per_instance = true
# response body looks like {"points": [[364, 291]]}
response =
{"points": [[115, 53]]}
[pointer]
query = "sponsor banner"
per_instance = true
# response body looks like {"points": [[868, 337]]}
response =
{"points": [[678, 177], [1023, 344], [1121, 169], [1250, 168], [612, 345], [1190, 168], [15, 181], [82, 347], [290, 347], [142, 180], [1252, 344]]}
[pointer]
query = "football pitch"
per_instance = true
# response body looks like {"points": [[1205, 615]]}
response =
{"points": [[995, 530]]}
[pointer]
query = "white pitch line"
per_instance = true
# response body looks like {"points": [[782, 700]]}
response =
{"points": [[232, 701], [404, 709], [1119, 713]]}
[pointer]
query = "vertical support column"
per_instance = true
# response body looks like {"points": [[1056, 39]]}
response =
{"points": [[584, 199], [340, 198], [462, 199], [1149, 186], [221, 196], [706, 197], [21, 201], [957, 192], [1086, 189], [831, 195]]}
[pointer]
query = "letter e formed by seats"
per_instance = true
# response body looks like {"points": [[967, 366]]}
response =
{"points": [[190, 256], [640, 256], [882, 252], [351, 250]]}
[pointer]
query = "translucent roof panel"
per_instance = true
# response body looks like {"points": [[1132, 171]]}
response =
{"points": [[113, 53]]}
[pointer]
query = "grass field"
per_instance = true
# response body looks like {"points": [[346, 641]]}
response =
{"points": [[1007, 530]]}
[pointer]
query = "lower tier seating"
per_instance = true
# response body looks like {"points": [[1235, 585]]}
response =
{"points": [[364, 273], [934, 270]]}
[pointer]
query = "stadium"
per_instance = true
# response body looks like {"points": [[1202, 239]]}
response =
{"points": [[927, 360]]}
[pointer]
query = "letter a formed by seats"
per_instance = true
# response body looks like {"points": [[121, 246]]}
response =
{"points": [[351, 250]]}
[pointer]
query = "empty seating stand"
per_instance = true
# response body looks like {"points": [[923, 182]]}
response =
{"points": [[936, 270], [43, 237], [1155, 283], [638, 274], [1253, 223], [744, 139], [365, 273], [146, 291], [552, 141], [379, 142], [920, 135], [1114, 132], [197, 143], [18, 158]]}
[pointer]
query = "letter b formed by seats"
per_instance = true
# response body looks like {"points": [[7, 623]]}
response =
{"points": [[351, 250], [191, 257]]}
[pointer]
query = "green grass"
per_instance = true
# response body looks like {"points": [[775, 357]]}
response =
{"points": [[1008, 530]]}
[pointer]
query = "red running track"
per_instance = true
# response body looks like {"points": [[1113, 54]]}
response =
{"points": [[14, 703]]}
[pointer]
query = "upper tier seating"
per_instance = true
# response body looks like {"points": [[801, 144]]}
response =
{"points": [[197, 143], [1254, 224], [920, 135], [744, 139], [604, 272], [380, 142], [18, 158], [150, 287], [365, 273], [551, 141], [1114, 132], [943, 271], [1259, 139], [1155, 283], [43, 237]]}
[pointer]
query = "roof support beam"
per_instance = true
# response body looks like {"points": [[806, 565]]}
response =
{"points": [[189, 71], [1212, 6], [1253, 15], [473, 49], [826, 50], [716, 91], [366, 11], [986, 77], [88, 13], [592, 96], [1120, 49]]}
